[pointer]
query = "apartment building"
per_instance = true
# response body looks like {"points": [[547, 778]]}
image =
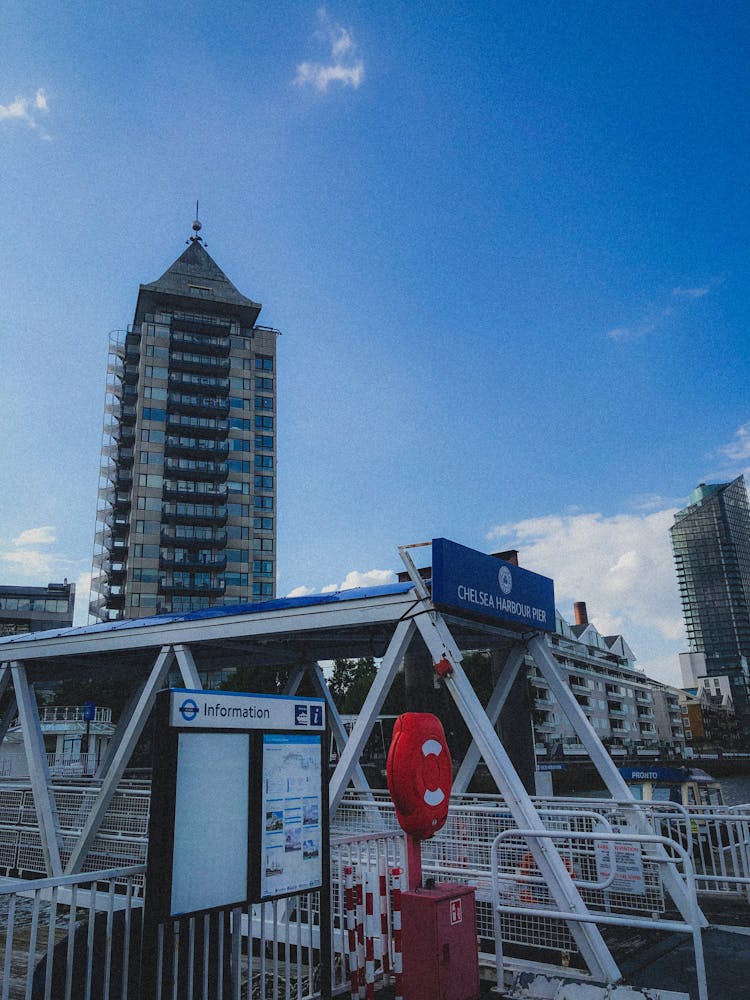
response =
{"points": [[187, 500]]}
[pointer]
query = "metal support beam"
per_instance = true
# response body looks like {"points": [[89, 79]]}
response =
{"points": [[593, 949], [377, 694], [495, 705], [187, 667], [294, 679], [338, 730], [131, 734], [606, 767], [36, 757], [10, 710], [122, 724]]}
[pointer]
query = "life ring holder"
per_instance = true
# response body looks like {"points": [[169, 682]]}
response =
{"points": [[420, 774]]}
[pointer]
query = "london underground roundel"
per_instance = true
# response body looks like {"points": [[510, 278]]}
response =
{"points": [[420, 774]]}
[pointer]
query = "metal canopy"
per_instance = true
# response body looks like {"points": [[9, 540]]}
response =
{"points": [[380, 622]]}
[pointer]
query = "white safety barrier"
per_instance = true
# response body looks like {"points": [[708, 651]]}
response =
{"points": [[85, 930], [605, 866], [82, 930]]}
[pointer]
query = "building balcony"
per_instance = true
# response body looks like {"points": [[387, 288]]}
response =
{"points": [[195, 492], [207, 426], [196, 538], [178, 513], [188, 361], [187, 382], [181, 402], [645, 714], [191, 338], [619, 730], [542, 702], [189, 447], [214, 588], [195, 563], [545, 727], [642, 698], [578, 684], [186, 468], [616, 710], [574, 750]]}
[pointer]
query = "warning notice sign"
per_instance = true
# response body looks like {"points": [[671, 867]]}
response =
{"points": [[628, 866]]}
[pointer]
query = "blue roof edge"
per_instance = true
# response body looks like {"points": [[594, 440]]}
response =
{"points": [[206, 614]]}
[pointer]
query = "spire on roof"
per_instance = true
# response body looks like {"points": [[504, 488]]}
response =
{"points": [[196, 227]]}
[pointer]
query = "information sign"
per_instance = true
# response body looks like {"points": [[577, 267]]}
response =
{"points": [[481, 584], [291, 814], [221, 761]]}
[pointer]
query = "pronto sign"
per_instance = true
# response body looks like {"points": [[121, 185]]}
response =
{"points": [[484, 585]]}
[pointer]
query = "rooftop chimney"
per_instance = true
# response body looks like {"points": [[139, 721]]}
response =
{"points": [[581, 615]]}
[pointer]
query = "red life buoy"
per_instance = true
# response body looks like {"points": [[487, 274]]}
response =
{"points": [[420, 774]]}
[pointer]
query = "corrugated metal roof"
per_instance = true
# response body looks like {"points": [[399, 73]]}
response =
{"points": [[207, 614]]}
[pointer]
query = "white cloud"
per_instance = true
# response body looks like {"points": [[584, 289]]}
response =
{"points": [[343, 66], [301, 592], [30, 563], [36, 536], [355, 578], [27, 110], [83, 597], [621, 566], [654, 319], [738, 449], [641, 329]]}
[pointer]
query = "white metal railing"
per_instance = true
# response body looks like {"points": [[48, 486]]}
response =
{"points": [[537, 908], [46, 947], [42, 941], [69, 713]]}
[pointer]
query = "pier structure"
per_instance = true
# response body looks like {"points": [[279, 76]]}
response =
{"points": [[298, 633]]}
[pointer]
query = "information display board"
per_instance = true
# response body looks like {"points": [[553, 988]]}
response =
{"points": [[212, 806], [291, 814], [238, 807]]}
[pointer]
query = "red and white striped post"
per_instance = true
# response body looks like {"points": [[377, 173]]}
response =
{"points": [[359, 898], [369, 937], [351, 931], [396, 911], [385, 944]]}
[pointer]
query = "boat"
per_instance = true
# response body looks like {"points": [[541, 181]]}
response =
{"points": [[687, 786]]}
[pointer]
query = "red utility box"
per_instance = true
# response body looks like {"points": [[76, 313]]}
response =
{"points": [[439, 943]]}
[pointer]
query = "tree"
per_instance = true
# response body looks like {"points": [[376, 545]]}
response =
{"points": [[350, 682]]}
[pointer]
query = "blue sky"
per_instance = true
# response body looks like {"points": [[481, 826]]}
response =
{"points": [[506, 245]]}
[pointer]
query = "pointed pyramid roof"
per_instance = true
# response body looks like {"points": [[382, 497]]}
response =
{"points": [[194, 278]]}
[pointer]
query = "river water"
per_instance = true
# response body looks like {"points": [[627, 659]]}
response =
{"points": [[736, 790]]}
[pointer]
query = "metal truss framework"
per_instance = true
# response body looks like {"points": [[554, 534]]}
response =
{"points": [[299, 637]]}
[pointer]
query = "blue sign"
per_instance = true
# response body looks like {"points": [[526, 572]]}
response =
{"points": [[188, 709], [647, 773], [473, 581], [89, 711]]}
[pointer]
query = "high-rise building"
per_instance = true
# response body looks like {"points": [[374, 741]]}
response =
{"points": [[187, 501], [711, 543], [36, 609]]}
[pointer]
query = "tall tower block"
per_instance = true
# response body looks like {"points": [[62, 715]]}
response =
{"points": [[186, 517]]}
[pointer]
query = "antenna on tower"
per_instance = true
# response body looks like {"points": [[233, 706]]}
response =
{"points": [[197, 238]]}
